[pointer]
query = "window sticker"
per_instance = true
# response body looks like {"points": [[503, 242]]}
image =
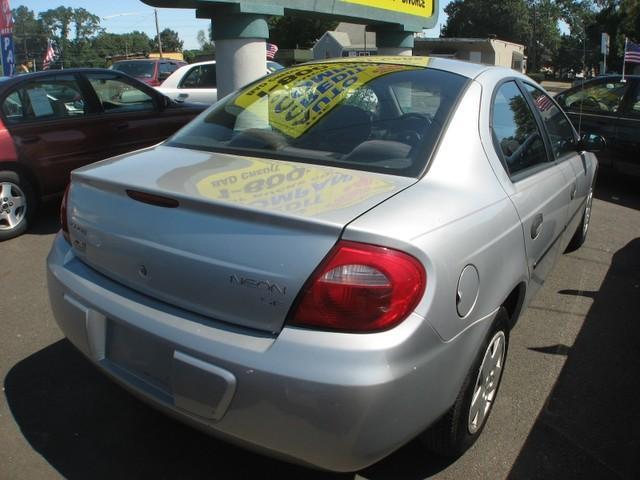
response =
{"points": [[40, 102], [298, 100]]}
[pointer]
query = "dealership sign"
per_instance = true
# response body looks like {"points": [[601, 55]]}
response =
{"points": [[6, 39], [409, 15]]}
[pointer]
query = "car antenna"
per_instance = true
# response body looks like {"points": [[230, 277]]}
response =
{"points": [[584, 68]]}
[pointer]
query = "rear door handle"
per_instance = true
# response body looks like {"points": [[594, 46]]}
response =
{"points": [[574, 190], [30, 139], [536, 226], [121, 126]]}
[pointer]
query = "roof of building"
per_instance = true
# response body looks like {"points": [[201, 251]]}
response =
{"points": [[357, 34]]}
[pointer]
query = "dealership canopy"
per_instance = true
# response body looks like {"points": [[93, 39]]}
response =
{"points": [[407, 15]]}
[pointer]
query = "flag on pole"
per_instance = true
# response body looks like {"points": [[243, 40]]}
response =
{"points": [[632, 53], [271, 50], [49, 56]]}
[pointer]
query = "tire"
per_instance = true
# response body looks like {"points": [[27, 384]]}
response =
{"points": [[580, 236], [458, 429], [17, 204]]}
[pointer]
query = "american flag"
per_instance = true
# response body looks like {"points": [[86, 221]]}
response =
{"points": [[544, 103], [271, 50], [632, 53], [49, 56]]}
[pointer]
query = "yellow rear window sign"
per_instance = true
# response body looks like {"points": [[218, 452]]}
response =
{"points": [[298, 99]]}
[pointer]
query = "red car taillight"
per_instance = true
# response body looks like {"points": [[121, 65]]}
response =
{"points": [[360, 288], [64, 224]]}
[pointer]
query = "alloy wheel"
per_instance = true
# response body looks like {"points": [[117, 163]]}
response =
{"points": [[587, 213], [13, 206], [486, 385]]}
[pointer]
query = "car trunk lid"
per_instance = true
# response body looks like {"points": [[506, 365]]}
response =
{"points": [[233, 238]]}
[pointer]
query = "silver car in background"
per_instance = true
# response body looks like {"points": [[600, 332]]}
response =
{"points": [[327, 264]]}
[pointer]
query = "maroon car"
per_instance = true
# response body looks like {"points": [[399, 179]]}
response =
{"points": [[151, 71], [55, 121]]}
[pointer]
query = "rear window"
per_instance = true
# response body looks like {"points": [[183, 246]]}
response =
{"points": [[362, 115], [139, 69]]}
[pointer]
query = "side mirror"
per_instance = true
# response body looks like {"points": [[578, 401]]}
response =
{"points": [[163, 76], [591, 142]]}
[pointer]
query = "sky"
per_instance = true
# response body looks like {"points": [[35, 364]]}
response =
{"points": [[122, 16]]}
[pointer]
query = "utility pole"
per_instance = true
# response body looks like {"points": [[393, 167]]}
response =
{"points": [[155, 11]]}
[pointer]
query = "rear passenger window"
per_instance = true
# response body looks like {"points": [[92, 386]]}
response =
{"points": [[12, 108], [46, 99], [202, 76], [116, 95], [515, 131], [560, 131]]}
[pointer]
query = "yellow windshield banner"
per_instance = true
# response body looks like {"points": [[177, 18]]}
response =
{"points": [[299, 98], [292, 188], [422, 8]]}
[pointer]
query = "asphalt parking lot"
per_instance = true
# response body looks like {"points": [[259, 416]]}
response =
{"points": [[567, 406]]}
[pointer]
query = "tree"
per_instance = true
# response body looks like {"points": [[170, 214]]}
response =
{"points": [[569, 55], [58, 21], [545, 35], [135, 43], [170, 41], [205, 40], [508, 19], [620, 19], [29, 36], [533, 23], [296, 31], [86, 24]]}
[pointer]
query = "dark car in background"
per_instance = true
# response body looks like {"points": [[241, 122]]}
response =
{"points": [[55, 121], [151, 71], [609, 107]]}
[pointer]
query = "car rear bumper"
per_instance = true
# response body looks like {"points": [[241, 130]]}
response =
{"points": [[335, 401]]}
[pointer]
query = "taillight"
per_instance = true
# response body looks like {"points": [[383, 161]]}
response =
{"points": [[360, 288], [64, 223]]}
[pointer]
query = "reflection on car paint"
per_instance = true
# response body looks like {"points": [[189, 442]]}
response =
{"points": [[291, 188]]}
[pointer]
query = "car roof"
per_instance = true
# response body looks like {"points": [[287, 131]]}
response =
{"points": [[460, 67], [48, 73], [601, 78], [195, 64], [149, 60], [617, 76]]}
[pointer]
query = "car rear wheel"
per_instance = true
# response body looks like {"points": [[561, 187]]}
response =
{"points": [[580, 236], [17, 204], [461, 426]]}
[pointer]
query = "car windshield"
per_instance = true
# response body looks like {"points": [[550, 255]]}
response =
{"points": [[136, 69], [362, 114]]}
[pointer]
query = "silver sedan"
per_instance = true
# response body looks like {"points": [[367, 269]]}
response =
{"points": [[327, 263]]}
